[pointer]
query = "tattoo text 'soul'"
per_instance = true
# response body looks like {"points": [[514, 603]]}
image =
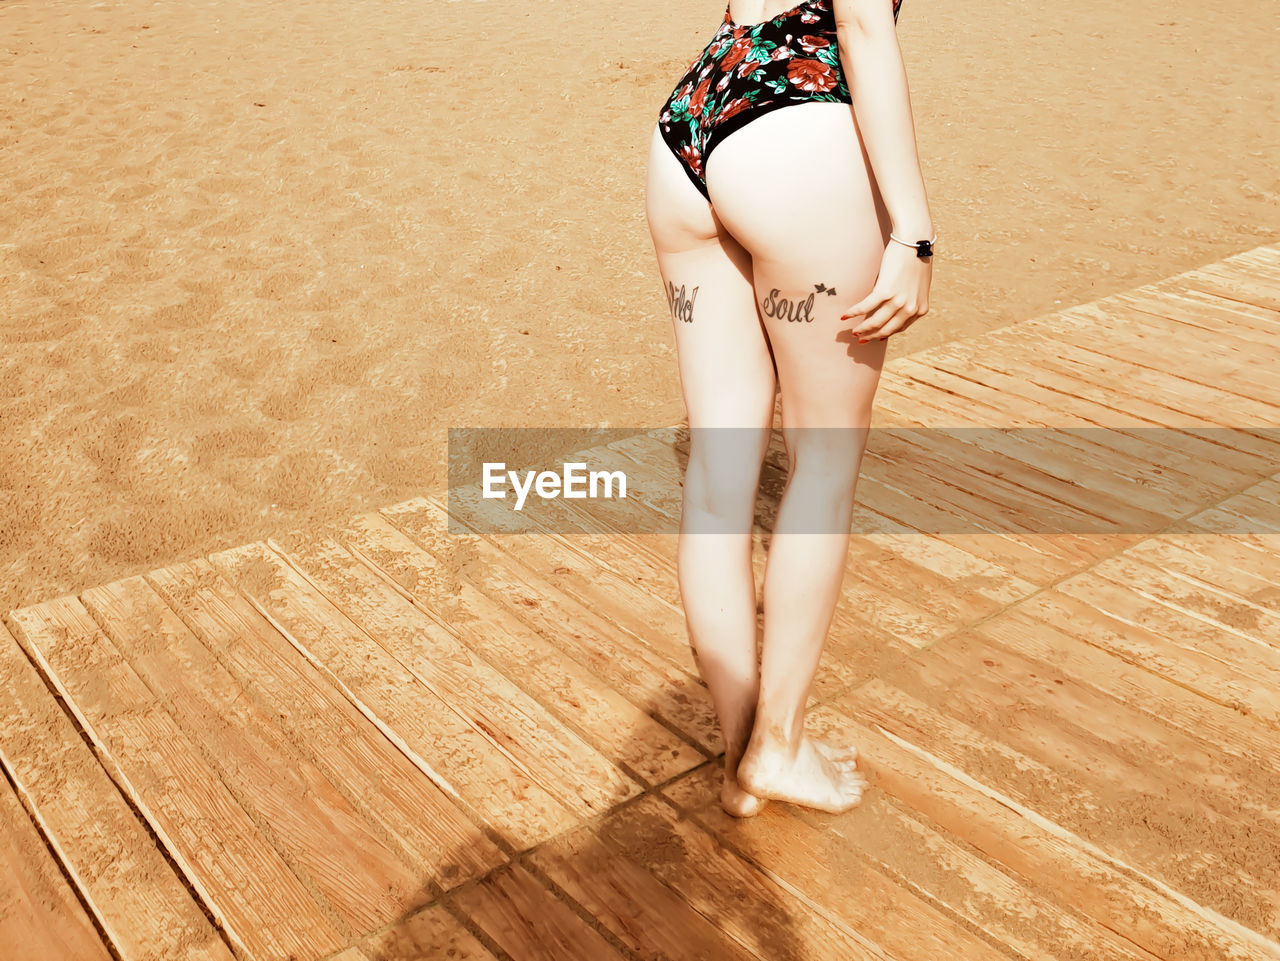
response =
{"points": [[795, 311]]}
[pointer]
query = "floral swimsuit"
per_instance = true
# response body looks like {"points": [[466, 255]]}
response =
{"points": [[746, 71]]}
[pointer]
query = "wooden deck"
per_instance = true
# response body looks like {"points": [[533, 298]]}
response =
{"points": [[385, 741]]}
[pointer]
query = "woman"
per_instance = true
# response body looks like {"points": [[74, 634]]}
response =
{"points": [[791, 243]]}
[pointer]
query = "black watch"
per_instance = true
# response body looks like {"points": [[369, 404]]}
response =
{"points": [[924, 248]]}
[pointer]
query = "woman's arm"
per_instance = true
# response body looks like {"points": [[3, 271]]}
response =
{"points": [[877, 80]]}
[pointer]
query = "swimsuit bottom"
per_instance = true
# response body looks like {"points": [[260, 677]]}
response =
{"points": [[747, 71]]}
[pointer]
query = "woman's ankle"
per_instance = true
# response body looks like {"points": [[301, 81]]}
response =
{"points": [[778, 732]]}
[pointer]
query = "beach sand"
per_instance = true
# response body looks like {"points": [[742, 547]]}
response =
{"points": [[257, 258]]}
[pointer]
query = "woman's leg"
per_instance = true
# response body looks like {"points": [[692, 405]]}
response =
{"points": [[795, 188], [727, 379]]}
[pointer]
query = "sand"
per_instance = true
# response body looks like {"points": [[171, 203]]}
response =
{"points": [[257, 258]]}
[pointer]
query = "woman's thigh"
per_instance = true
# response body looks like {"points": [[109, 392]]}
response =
{"points": [[726, 372], [795, 189]]}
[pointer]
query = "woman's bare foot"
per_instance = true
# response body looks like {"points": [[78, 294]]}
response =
{"points": [[815, 774], [738, 801]]}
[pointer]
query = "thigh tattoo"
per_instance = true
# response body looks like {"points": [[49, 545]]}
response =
{"points": [[797, 310], [681, 302]]}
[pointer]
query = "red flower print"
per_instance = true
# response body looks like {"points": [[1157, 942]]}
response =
{"points": [[689, 154], [733, 108], [699, 99], [750, 65], [812, 44], [811, 75], [783, 52], [736, 53]]}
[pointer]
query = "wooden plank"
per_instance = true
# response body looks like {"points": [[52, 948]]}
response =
{"points": [[637, 623], [933, 866], [1122, 464], [925, 406], [1088, 498], [1231, 648], [921, 375], [806, 860], [1002, 506], [1192, 312], [1071, 381], [39, 914], [1187, 462], [1142, 813], [1076, 874], [1083, 373], [1116, 631], [1047, 406], [1073, 376], [1217, 606], [311, 823], [139, 901], [1224, 337], [671, 695], [1171, 387], [1222, 561], [1219, 609], [1220, 363], [429, 934], [1267, 491], [642, 913], [1251, 570], [1063, 649], [243, 881], [1240, 516], [759, 909], [1267, 255], [1223, 521], [651, 620], [407, 811], [583, 701], [529, 922], [1105, 749], [460, 759], [1254, 507], [550, 754], [966, 572], [918, 473], [1242, 284]]}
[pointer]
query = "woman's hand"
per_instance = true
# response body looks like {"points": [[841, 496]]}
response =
{"points": [[899, 298]]}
